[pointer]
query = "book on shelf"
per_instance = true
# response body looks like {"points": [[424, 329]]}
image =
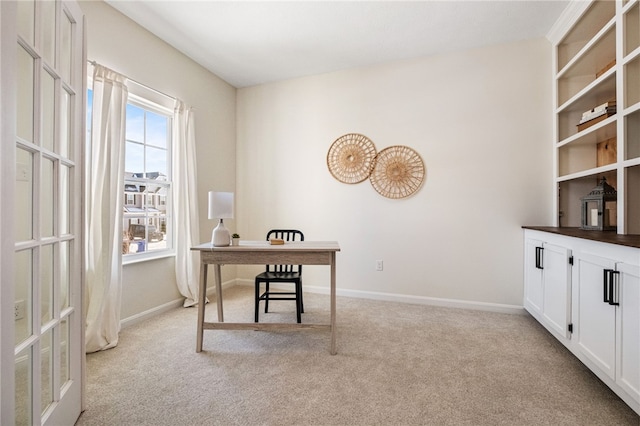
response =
{"points": [[594, 114], [595, 120]]}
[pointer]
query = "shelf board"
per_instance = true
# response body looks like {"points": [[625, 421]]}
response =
{"points": [[606, 129], [582, 101], [628, 111], [631, 56], [631, 163], [587, 173], [582, 62]]}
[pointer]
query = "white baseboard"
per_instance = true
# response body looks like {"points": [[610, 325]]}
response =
{"points": [[137, 318], [359, 294], [403, 298]]}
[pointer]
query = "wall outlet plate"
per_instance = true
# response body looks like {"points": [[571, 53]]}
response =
{"points": [[20, 308]]}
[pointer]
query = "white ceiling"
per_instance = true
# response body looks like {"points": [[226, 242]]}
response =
{"points": [[253, 42]]}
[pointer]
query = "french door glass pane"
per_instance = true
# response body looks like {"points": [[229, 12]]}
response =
{"points": [[24, 392], [65, 125], [48, 105], [65, 48], [48, 30], [46, 283], [26, 19], [23, 294], [46, 198], [24, 116], [65, 274], [24, 195], [46, 370], [64, 351], [63, 210]]}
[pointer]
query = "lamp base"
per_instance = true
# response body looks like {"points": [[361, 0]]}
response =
{"points": [[220, 237]]}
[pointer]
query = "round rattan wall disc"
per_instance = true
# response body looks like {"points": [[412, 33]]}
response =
{"points": [[398, 172], [350, 158]]}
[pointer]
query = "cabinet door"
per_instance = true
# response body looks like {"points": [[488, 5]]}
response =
{"points": [[628, 329], [594, 320], [532, 277], [556, 279]]}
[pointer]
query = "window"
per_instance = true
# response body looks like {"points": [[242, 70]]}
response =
{"points": [[147, 180], [147, 207]]}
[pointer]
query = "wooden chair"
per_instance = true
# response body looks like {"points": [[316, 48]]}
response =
{"points": [[281, 274]]}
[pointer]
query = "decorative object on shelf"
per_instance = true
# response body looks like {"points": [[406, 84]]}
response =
{"points": [[220, 207], [599, 208], [606, 152], [235, 240], [597, 114], [398, 172], [351, 157]]}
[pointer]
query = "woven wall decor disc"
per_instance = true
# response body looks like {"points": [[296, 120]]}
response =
{"points": [[350, 158], [398, 172]]}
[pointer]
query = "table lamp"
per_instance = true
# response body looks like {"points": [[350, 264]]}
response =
{"points": [[220, 207]]}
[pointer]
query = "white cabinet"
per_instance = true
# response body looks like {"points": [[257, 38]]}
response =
{"points": [[547, 294], [628, 330], [591, 305], [595, 319], [607, 319]]}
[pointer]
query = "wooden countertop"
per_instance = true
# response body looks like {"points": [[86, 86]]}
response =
{"points": [[610, 237]]}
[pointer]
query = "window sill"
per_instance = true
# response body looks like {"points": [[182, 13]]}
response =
{"points": [[147, 256]]}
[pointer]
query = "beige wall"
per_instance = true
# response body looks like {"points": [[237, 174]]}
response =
{"points": [[118, 43], [481, 121]]}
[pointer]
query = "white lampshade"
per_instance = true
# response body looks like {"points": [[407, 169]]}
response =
{"points": [[220, 205]]}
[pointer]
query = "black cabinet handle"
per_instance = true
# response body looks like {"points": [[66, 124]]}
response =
{"points": [[610, 287], [613, 288], [539, 257]]}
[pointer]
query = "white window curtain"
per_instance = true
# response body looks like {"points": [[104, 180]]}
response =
{"points": [[185, 196], [104, 209]]}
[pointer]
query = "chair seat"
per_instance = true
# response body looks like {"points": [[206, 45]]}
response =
{"points": [[280, 276]]}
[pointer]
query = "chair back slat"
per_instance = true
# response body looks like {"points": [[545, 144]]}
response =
{"points": [[286, 235]]}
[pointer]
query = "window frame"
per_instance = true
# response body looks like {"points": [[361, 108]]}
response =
{"points": [[159, 103], [147, 99]]}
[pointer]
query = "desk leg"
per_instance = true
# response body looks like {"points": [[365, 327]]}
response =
{"points": [[332, 350], [219, 292], [202, 300]]}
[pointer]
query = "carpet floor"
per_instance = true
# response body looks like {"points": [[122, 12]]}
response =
{"points": [[397, 364]]}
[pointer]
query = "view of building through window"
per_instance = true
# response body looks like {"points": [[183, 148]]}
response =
{"points": [[146, 218], [146, 204]]}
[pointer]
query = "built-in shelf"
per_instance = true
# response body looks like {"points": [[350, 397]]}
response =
{"points": [[597, 61]]}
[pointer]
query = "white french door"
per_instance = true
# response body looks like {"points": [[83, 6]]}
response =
{"points": [[44, 43]]}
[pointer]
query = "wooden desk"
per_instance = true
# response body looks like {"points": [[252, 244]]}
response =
{"points": [[262, 253]]}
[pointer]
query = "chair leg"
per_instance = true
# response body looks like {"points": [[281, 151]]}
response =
{"points": [[298, 302], [257, 299], [266, 298], [301, 300]]}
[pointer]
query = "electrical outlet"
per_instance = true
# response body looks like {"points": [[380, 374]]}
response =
{"points": [[379, 265], [20, 307]]}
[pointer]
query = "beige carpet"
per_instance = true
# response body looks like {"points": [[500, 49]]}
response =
{"points": [[397, 364]]}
